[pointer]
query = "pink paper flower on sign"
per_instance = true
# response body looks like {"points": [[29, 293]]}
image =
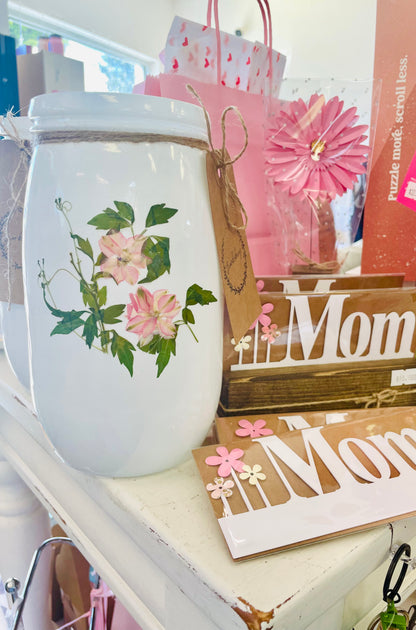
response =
{"points": [[270, 333], [220, 488], [226, 461], [253, 430], [263, 318], [316, 148], [152, 314], [123, 256]]}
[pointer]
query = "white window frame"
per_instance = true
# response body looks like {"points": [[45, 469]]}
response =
{"points": [[44, 23]]}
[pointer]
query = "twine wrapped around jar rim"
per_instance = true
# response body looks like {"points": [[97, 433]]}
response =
{"points": [[57, 137], [221, 157]]}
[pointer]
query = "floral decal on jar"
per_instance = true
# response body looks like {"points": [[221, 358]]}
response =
{"points": [[137, 259]]}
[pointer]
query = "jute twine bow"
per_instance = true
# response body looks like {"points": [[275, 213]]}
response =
{"points": [[332, 266], [377, 399], [17, 184], [224, 162]]}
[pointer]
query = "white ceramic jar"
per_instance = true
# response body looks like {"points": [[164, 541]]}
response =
{"points": [[13, 167], [15, 340], [118, 195]]}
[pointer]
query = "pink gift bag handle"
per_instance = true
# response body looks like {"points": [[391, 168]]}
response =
{"points": [[267, 33]]}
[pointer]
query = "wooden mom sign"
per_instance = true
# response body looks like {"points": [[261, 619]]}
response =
{"points": [[320, 329], [281, 491], [324, 284]]}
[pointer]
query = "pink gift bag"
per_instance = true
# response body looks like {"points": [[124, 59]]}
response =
{"points": [[209, 55], [216, 90]]}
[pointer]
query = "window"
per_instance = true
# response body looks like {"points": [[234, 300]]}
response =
{"points": [[106, 69]]}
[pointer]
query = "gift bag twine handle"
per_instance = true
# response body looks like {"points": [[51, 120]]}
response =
{"points": [[267, 33]]}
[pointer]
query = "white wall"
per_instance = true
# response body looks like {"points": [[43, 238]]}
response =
{"points": [[322, 38]]}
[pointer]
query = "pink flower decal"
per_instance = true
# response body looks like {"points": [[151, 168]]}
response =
{"points": [[152, 314], [316, 148], [226, 461], [270, 333], [123, 256], [220, 488], [263, 318], [253, 430]]}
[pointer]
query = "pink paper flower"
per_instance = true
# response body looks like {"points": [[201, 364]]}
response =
{"points": [[152, 314], [270, 333], [123, 256], [220, 488], [263, 318], [316, 148], [252, 430], [226, 461]]}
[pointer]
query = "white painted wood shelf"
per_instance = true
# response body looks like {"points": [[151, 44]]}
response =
{"points": [[156, 543]]}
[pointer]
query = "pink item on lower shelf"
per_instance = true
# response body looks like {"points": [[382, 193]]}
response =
{"points": [[407, 192], [122, 620]]}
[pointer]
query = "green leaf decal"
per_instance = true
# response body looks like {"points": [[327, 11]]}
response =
{"points": [[111, 314], [159, 214], [66, 315], [83, 245], [66, 327], [101, 274], [105, 338], [164, 348], [153, 346], [90, 330], [102, 296], [109, 220], [188, 316], [100, 259], [125, 210], [156, 248], [87, 296], [167, 347], [197, 295], [124, 351]]}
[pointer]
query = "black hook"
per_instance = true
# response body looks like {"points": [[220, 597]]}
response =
{"points": [[412, 618], [392, 594]]}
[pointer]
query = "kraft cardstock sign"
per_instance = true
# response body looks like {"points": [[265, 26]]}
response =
{"points": [[239, 284], [245, 428], [277, 492], [337, 328]]}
